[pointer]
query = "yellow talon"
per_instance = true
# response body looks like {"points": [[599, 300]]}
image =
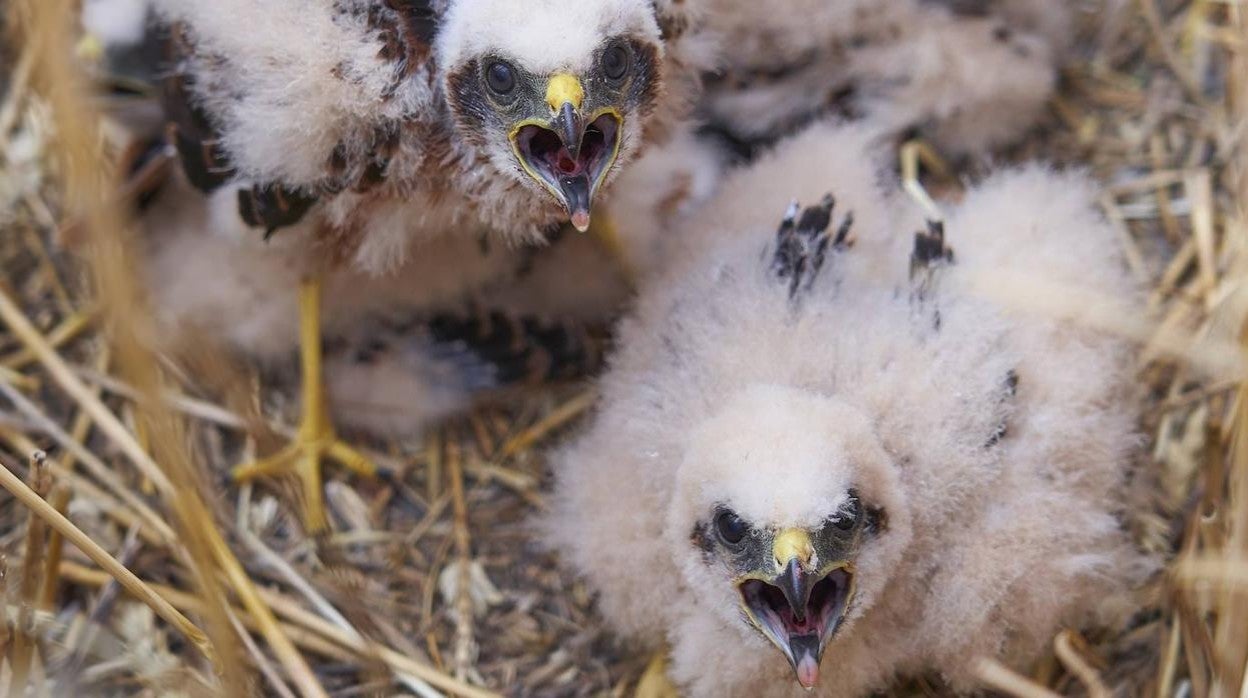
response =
{"points": [[603, 228], [654, 682], [315, 440]]}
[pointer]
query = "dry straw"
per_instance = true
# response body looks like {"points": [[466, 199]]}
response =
{"points": [[1157, 107]]}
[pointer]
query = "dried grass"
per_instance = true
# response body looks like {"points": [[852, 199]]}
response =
{"points": [[429, 585]]}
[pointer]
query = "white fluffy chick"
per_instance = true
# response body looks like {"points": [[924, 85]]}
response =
{"points": [[382, 122], [969, 74], [832, 453]]}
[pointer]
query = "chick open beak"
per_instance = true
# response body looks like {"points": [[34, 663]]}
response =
{"points": [[567, 155], [798, 608], [571, 129]]}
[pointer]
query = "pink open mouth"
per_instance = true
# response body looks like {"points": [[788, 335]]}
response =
{"points": [[802, 634], [574, 176]]}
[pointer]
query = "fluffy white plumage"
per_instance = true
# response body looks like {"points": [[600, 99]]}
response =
{"points": [[972, 74], [913, 64], [667, 184], [989, 445], [523, 29], [116, 22]]}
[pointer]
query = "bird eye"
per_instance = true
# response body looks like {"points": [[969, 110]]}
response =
{"points": [[500, 77], [730, 527], [615, 62], [847, 518]]}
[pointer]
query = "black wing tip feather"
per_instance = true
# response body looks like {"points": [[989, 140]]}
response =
{"points": [[519, 350], [930, 248], [803, 240], [190, 130], [271, 207], [188, 127]]}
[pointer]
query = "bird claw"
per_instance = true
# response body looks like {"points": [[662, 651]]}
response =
{"points": [[303, 458], [802, 242], [654, 682]]}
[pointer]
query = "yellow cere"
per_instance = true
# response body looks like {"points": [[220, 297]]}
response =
{"points": [[792, 543], [563, 89]]}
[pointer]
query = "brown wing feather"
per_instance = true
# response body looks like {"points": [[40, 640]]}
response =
{"points": [[188, 127], [204, 160], [521, 349], [406, 29], [271, 207]]}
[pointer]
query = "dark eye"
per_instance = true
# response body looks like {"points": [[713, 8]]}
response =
{"points": [[501, 78], [847, 518], [730, 527], [615, 62]]}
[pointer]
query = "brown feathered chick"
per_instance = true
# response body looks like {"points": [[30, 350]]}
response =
{"points": [[391, 121], [831, 456], [372, 163]]}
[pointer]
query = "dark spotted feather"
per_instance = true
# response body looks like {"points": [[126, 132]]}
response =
{"points": [[518, 350], [189, 128], [802, 243]]}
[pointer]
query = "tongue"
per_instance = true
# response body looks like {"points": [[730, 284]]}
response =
{"points": [[807, 671], [805, 650], [576, 193]]}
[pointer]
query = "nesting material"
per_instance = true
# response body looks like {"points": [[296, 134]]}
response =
{"points": [[1149, 105]]}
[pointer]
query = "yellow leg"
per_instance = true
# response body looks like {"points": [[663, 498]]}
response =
{"points": [[654, 682], [604, 229], [912, 154], [315, 439]]}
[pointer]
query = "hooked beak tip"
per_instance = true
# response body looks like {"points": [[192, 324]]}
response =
{"points": [[580, 221]]}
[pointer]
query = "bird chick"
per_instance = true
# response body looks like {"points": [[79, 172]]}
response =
{"points": [[395, 143], [828, 455], [390, 121], [971, 75]]}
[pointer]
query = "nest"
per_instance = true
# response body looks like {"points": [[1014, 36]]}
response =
{"points": [[132, 565]]}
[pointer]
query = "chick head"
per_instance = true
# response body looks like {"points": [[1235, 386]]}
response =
{"points": [[555, 92], [789, 516]]}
